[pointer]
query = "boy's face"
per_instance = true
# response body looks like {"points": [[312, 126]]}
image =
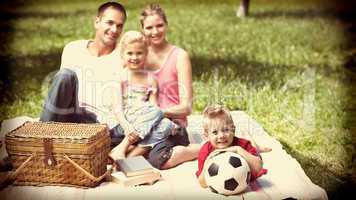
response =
{"points": [[134, 56], [220, 135]]}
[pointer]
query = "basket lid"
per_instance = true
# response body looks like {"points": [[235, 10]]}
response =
{"points": [[59, 130]]}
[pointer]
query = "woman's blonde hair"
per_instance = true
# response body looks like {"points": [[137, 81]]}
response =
{"points": [[216, 114], [131, 37], [153, 9]]}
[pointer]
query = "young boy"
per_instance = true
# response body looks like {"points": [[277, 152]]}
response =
{"points": [[219, 129]]}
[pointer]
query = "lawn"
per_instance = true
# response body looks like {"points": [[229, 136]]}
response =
{"points": [[290, 65]]}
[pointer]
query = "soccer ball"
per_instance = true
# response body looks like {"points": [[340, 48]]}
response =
{"points": [[227, 173]]}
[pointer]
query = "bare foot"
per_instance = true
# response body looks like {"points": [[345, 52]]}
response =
{"points": [[175, 129]]}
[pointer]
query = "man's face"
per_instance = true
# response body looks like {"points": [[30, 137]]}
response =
{"points": [[109, 26]]}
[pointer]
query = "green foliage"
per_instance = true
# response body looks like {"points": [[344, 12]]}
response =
{"points": [[283, 65]]}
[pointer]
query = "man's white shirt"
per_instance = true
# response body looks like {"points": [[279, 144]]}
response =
{"points": [[98, 77]]}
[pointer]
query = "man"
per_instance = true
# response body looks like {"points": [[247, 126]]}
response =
{"points": [[83, 88], [89, 76]]}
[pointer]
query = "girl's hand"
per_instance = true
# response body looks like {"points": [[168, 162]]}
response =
{"points": [[133, 137]]}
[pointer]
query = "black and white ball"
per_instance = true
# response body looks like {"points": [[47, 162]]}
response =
{"points": [[227, 173]]}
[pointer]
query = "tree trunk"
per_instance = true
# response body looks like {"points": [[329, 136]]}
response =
{"points": [[242, 11]]}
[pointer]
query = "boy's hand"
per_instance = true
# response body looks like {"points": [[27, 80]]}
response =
{"points": [[264, 149], [234, 149]]}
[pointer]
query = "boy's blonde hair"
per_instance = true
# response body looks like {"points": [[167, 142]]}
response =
{"points": [[131, 37], [216, 114]]}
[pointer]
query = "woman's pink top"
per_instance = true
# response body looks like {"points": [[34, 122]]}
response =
{"points": [[167, 78]]}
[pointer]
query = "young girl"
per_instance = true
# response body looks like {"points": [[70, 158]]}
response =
{"points": [[139, 99], [219, 129]]}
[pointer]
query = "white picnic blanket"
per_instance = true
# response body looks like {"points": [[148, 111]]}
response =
{"points": [[285, 177]]}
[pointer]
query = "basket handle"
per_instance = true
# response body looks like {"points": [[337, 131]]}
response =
{"points": [[85, 172], [12, 175]]}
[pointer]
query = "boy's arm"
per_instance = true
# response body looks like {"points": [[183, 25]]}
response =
{"points": [[254, 162], [261, 149], [201, 177]]}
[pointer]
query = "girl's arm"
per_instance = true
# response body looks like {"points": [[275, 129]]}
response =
{"points": [[119, 114], [184, 70]]}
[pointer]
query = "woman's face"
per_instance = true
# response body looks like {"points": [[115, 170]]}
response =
{"points": [[154, 29]]}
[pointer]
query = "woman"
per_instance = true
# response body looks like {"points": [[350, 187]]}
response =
{"points": [[172, 68]]}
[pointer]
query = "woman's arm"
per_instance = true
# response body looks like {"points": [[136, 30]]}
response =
{"points": [[154, 94], [184, 70]]}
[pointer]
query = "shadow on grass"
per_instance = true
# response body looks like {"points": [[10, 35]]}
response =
{"points": [[6, 32], [298, 14], [349, 19], [22, 69], [17, 70], [253, 73], [337, 9], [11, 10], [10, 15], [337, 187]]}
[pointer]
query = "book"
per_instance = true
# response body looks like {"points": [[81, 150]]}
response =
{"points": [[148, 178], [134, 166]]}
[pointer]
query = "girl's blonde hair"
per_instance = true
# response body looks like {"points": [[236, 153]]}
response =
{"points": [[217, 114], [131, 37], [153, 9]]}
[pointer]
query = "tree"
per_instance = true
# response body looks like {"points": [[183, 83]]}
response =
{"points": [[242, 10]]}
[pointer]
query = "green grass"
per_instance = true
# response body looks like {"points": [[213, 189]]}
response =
{"points": [[283, 65]]}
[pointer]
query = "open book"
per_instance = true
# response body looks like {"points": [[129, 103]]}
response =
{"points": [[148, 178], [134, 166]]}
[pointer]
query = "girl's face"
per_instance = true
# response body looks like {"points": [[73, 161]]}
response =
{"points": [[220, 134], [155, 29], [134, 56]]}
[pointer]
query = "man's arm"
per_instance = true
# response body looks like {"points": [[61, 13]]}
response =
{"points": [[67, 56]]}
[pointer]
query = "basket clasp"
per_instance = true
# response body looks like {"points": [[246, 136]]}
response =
{"points": [[48, 147]]}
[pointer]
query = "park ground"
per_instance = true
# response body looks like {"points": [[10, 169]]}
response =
{"points": [[290, 65]]}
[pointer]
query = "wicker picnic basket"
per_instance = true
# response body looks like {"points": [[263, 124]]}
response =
{"points": [[51, 153]]}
